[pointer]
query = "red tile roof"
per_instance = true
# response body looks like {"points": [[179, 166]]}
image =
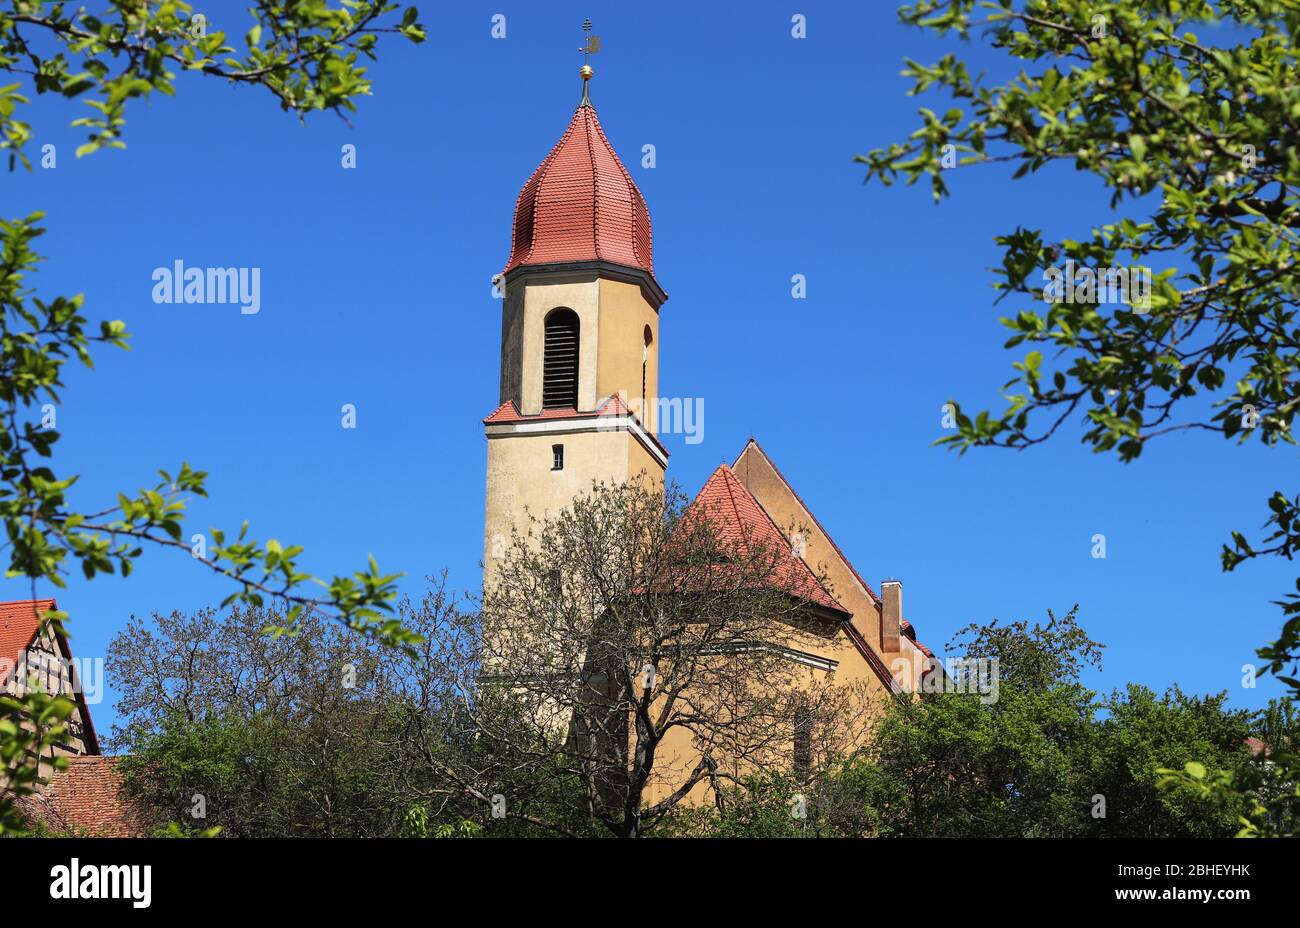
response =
{"points": [[740, 520], [581, 204], [87, 797], [509, 412], [19, 622]]}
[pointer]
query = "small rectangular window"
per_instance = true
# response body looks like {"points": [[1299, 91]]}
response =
{"points": [[802, 743], [557, 457]]}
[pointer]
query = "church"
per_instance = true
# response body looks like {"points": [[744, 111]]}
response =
{"points": [[580, 401]]}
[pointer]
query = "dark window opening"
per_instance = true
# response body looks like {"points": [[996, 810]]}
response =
{"points": [[560, 361], [557, 457], [802, 744], [645, 358]]}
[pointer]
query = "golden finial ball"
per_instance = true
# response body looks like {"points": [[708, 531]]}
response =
{"points": [[586, 72]]}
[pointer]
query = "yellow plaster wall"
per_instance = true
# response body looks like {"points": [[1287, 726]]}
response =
{"points": [[519, 475], [537, 298], [624, 316]]}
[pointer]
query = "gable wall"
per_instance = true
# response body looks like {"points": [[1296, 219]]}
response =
{"points": [[762, 479], [47, 668]]}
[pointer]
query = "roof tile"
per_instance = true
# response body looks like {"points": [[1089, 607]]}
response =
{"points": [[581, 204], [87, 797], [739, 519], [19, 622]]}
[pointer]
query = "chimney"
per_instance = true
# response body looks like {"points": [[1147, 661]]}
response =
{"points": [[891, 614]]}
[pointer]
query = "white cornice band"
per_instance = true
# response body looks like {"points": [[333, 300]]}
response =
{"points": [[622, 423]]}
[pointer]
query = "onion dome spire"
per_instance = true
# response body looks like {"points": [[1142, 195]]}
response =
{"points": [[581, 203]]}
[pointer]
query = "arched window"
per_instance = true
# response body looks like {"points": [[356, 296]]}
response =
{"points": [[645, 357], [560, 361]]}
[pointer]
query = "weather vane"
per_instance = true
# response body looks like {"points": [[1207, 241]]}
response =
{"points": [[590, 45]]}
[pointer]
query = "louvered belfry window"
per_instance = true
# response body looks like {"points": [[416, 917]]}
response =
{"points": [[560, 363]]}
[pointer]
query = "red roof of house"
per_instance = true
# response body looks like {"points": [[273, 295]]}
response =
{"points": [[740, 520], [19, 622], [581, 204], [87, 797]]}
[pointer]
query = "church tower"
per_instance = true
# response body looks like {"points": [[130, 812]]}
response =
{"points": [[579, 337]]}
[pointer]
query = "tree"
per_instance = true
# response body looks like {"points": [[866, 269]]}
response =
{"points": [[769, 805], [1198, 144], [956, 764], [1275, 788], [263, 736], [1046, 758], [326, 734], [1142, 734], [1264, 793], [631, 654], [307, 54]]}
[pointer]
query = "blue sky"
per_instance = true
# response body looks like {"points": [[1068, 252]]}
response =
{"points": [[376, 291]]}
